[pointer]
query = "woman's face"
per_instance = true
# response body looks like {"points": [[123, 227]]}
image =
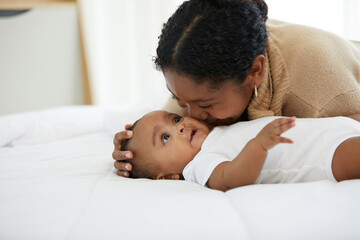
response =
{"points": [[222, 106]]}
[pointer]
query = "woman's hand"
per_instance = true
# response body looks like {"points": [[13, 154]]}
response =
{"points": [[123, 168], [270, 135]]}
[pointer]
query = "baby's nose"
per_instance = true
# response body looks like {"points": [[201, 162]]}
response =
{"points": [[183, 125], [181, 129]]}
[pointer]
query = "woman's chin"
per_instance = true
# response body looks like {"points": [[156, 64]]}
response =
{"points": [[222, 122]]}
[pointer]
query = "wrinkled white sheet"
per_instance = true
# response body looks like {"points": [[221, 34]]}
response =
{"points": [[49, 125], [57, 181]]}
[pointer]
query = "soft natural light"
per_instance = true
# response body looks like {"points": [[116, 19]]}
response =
{"points": [[338, 16], [122, 39]]}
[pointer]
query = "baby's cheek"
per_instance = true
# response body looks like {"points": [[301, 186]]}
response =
{"points": [[201, 141]]}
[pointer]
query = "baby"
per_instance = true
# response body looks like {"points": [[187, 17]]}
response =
{"points": [[167, 146]]}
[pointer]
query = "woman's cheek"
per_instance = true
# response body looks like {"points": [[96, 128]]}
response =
{"points": [[181, 104], [216, 113]]}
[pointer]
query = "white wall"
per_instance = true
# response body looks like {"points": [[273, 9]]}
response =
{"points": [[40, 63], [341, 17]]}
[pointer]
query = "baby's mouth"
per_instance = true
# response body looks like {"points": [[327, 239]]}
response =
{"points": [[193, 132]]}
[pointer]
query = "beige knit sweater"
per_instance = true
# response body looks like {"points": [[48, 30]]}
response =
{"points": [[308, 73]]}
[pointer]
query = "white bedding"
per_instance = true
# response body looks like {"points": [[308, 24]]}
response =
{"points": [[57, 181]]}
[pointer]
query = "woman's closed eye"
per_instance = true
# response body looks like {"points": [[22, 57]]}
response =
{"points": [[174, 97], [205, 107]]}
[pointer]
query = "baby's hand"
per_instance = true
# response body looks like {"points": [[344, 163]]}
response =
{"points": [[270, 135]]}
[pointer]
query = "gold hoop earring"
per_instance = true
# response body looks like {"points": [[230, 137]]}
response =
{"points": [[255, 90]]}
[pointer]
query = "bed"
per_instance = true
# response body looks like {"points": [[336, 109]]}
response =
{"points": [[57, 181]]}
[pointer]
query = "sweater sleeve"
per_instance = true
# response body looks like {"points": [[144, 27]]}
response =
{"points": [[343, 104], [323, 70]]}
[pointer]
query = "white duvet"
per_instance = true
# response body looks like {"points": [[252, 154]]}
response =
{"points": [[57, 181]]}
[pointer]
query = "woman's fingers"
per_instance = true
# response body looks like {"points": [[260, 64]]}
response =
{"points": [[122, 166], [121, 136], [128, 126], [122, 155], [123, 173]]}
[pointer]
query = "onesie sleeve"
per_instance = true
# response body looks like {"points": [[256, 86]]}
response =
{"points": [[201, 167]]}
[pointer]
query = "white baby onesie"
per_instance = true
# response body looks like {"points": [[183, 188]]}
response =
{"points": [[309, 158]]}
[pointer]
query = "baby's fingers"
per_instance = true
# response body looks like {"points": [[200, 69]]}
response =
{"points": [[284, 124], [284, 140]]}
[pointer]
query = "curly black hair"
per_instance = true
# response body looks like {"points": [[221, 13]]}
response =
{"points": [[213, 40]]}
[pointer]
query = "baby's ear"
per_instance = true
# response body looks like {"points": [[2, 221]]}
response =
{"points": [[172, 176]]}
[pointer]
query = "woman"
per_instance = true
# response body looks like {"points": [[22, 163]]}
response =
{"points": [[224, 62]]}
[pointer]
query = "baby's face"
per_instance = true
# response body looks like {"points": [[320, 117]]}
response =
{"points": [[172, 141]]}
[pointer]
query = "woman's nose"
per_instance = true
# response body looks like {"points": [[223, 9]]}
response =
{"points": [[181, 103], [196, 112]]}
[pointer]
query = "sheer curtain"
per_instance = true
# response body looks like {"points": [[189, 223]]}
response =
{"points": [[120, 39]]}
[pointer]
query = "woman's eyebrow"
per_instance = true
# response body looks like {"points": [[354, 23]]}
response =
{"points": [[172, 92], [195, 100]]}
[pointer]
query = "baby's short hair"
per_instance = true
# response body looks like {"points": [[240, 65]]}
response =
{"points": [[141, 167]]}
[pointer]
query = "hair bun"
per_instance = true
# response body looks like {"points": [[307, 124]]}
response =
{"points": [[222, 3], [262, 7], [218, 3]]}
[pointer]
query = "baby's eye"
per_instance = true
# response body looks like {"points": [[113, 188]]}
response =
{"points": [[165, 137], [177, 120]]}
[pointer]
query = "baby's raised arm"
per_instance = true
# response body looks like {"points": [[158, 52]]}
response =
{"points": [[246, 167]]}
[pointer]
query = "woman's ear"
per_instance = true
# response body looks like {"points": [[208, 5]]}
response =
{"points": [[257, 71], [172, 176]]}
